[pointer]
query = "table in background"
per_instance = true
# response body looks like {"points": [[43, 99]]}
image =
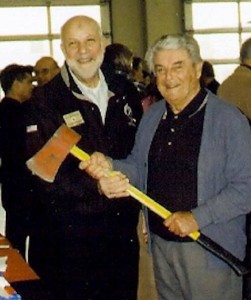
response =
{"points": [[21, 276]]}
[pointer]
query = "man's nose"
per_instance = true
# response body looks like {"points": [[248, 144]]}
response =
{"points": [[168, 74], [83, 47]]}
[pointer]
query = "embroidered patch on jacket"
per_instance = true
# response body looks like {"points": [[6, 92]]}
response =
{"points": [[73, 119], [128, 113]]}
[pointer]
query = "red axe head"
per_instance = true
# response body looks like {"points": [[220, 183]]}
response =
{"points": [[46, 162]]}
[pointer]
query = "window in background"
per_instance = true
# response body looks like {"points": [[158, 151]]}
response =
{"points": [[29, 32], [13, 22], [218, 46], [225, 15], [221, 35], [22, 52]]}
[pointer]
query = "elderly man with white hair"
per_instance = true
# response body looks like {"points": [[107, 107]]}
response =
{"points": [[192, 154]]}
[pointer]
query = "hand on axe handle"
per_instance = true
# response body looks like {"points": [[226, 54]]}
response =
{"points": [[181, 223], [110, 183], [98, 166]]}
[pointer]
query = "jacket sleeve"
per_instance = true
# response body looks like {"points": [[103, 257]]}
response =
{"points": [[225, 178]]}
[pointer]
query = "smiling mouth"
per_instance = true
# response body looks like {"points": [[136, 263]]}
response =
{"points": [[170, 87], [85, 60]]}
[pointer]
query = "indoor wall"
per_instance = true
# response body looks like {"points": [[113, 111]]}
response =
{"points": [[138, 23]]}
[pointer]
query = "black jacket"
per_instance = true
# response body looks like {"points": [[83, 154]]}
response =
{"points": [[73, 190], [16, 183]]}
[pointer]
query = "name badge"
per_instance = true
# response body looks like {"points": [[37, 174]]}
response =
{"points": [[31, 128], [73, 119]]}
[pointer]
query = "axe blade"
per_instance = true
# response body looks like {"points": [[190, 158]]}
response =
{"points": [[46, 162]]}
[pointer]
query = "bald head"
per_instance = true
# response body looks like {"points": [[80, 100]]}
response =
{"points": [[79, 22], [83, 47], [45, 68]]}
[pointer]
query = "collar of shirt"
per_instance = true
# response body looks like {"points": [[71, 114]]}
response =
{"points": [[98, 95], [192, 108]]}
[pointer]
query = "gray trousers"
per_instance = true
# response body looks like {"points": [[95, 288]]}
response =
{"points": [[181, 273]]}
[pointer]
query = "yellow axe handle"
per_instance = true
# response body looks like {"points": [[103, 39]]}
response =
{"points": [[235, 263], [137, 194]]}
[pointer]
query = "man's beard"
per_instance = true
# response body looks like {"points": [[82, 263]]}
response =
{"points": [[86, 72]]}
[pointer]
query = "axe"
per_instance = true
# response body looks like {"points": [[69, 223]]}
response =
{"points": [[46, 162]]}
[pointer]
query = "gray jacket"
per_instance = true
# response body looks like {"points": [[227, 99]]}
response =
{"points": [[224, 171]]}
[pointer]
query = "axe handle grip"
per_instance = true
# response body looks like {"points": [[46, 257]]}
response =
{"points": [[135, 193], [161, 211], [155, 207], [79, 153]]}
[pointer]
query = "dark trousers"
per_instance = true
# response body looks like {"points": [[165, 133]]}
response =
{"points": [[80, 258]]}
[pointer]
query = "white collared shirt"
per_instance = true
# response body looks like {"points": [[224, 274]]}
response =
{"points": [[97, 95]]}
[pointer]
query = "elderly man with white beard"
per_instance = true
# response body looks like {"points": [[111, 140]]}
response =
{"points": [[83, 249]]}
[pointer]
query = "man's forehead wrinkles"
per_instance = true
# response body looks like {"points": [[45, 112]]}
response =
{"points": [[179, 62]]}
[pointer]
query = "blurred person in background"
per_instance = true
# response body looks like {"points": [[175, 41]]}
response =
{"points": [[138, 75], [45, 69], [207, 78], [117, 69], [138, 69], [16, 81], [152, 94], [236, 89]]}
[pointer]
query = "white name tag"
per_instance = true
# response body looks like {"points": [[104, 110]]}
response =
{"points": [[73, 119], [31, 128]]}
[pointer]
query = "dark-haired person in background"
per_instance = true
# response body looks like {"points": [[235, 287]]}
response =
{"points": [[16, 82], [117, 69], [207, 78], [45, 69], [138, 74]]}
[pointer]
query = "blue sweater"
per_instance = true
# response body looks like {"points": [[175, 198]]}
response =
{"points": [[224, 172]]}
